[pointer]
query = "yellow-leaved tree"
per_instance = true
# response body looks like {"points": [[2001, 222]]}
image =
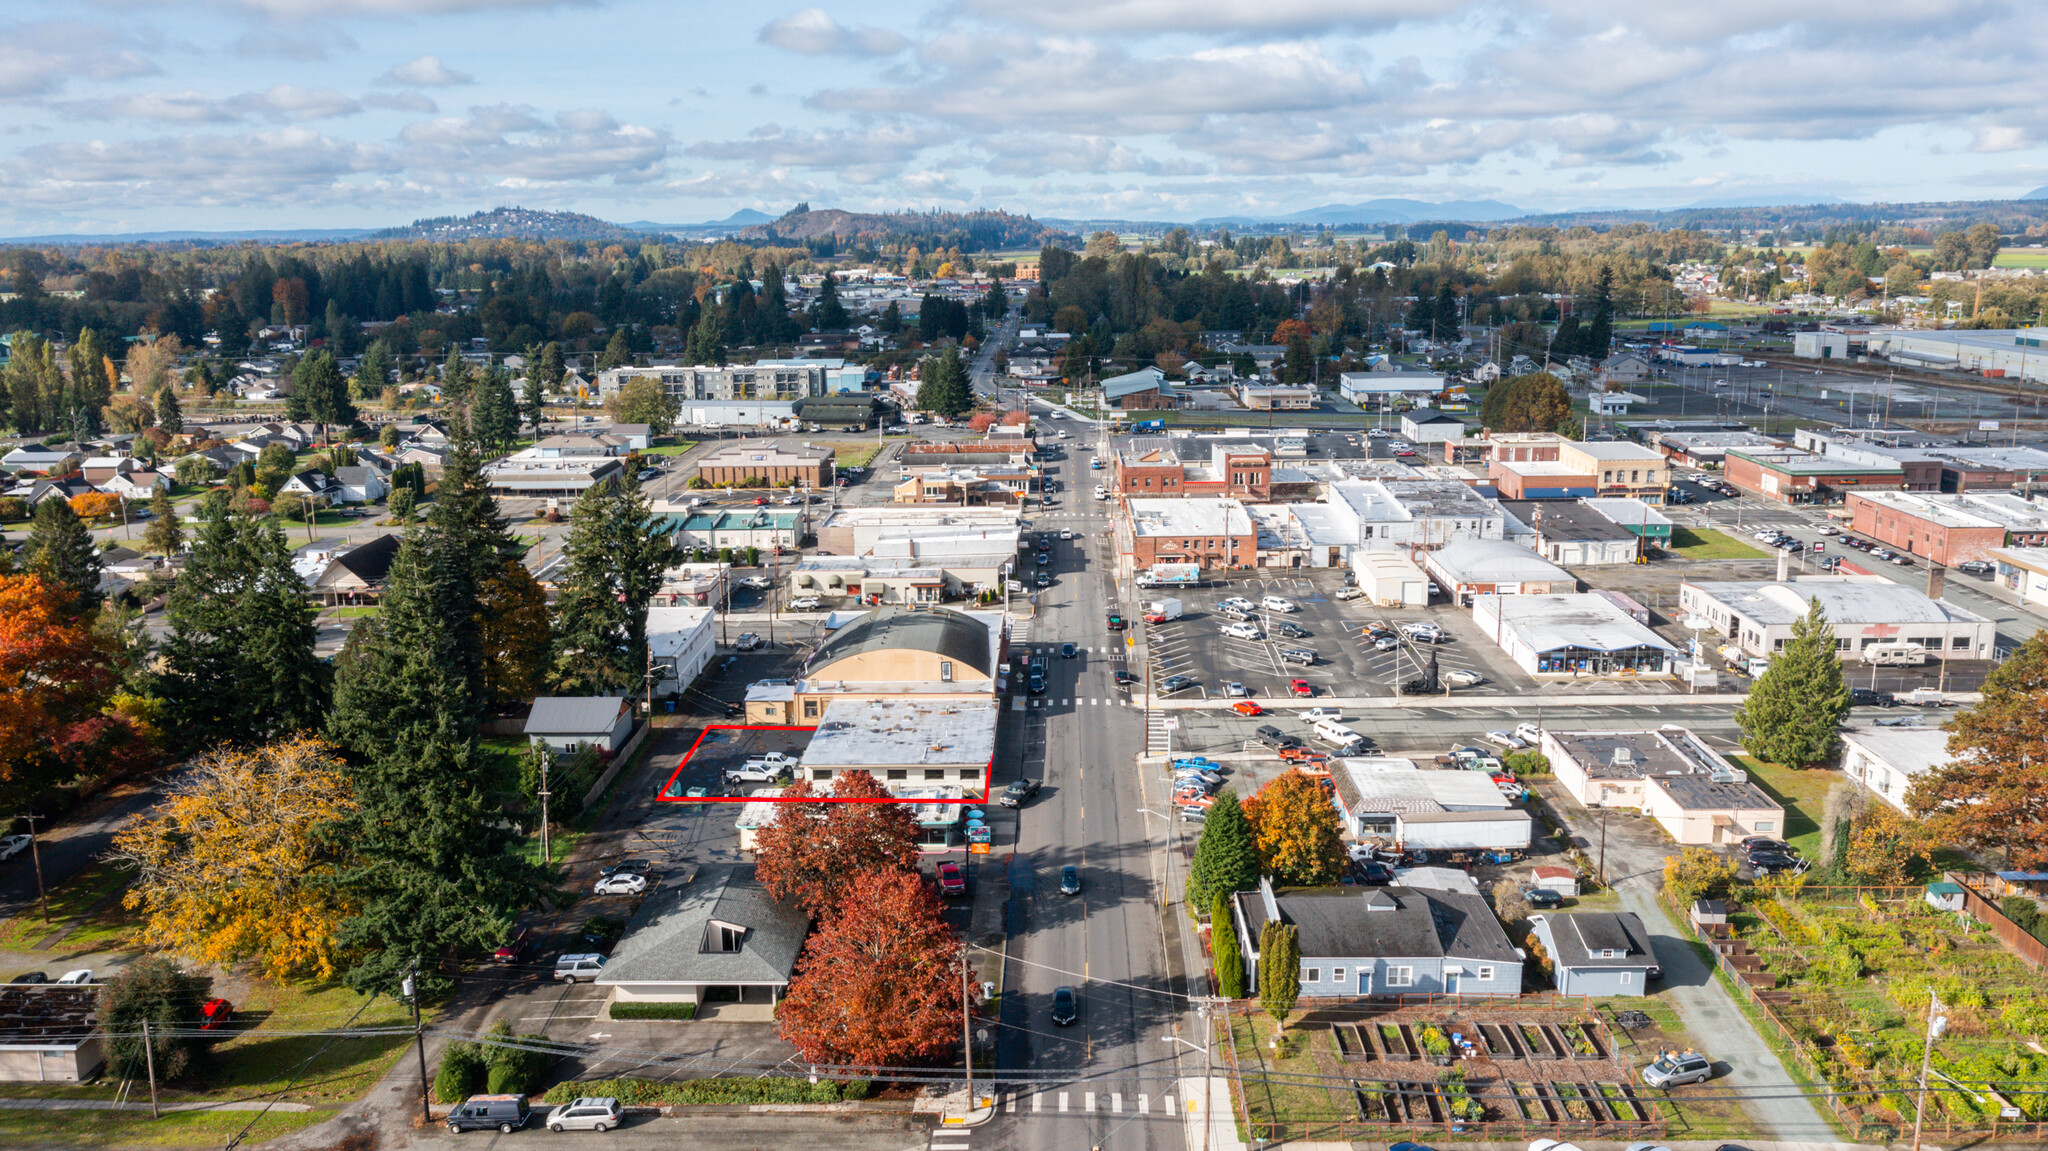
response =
{"points": [[234, 866]]}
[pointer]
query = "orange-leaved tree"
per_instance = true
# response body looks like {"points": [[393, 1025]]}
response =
{"points": [[96, 505], [54, 671], [1992, 794], [817, 844], [1295, 828], [237, 864], [878, 984]]}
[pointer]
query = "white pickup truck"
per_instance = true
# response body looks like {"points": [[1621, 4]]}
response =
{"points": [[764, 768]]}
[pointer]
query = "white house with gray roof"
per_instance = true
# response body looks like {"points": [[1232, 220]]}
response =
{"points": [[712, 937], [1597, 952], [567, 722], [1381, 941]]}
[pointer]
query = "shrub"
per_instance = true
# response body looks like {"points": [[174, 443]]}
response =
{"points": [[158, 990], [700, 1092], [676, 1011], [513, 1070], [461, 1073], [2022, 911]]}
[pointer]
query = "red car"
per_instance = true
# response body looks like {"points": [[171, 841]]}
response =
{"points": [[952, 880], [214, 1014], [514, 949], [1247, 707], [1300, 688], [1302, 755]]}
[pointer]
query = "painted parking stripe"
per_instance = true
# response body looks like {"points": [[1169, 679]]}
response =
{"points": [[1166, 1102], [1116, 1103], [1144, 1105]]}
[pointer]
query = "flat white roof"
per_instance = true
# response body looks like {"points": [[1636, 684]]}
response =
{"points": [[857, 733], [1190, 517], [1940, 510], [1846, 599], [1493, 561], [1912, 750], [1417, 792], [1609, 450]]}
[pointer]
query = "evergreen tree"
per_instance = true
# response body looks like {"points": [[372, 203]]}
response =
{"points": [[170, 414], [1225, 861], [530, 398], [1279, 969], [494, 413], [238, 662], [1794, 713], [1568, 340], [707, 340], [1446, 317], [1223, 942], [996, 304], [892, 318], [320, 392], [376, 371], [60, 550], [551, 367], [944, 387], [1421, 314], [617, 353], [164, 536], [827, 312], [615, 559], [1599, 338], [456, 377]]}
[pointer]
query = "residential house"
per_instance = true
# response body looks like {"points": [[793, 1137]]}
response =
{"points": [[1888, 759], [1625, 368], [37, 458], [712, 937], [1597, 953], [1143, 390], [355, 576], [313, 484], [97, 470], [137, 486], [568, 722], [682, 641], [359, 484], [1359, 942]]}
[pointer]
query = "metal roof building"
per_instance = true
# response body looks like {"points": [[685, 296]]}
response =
{"points": [[1572, 636]]}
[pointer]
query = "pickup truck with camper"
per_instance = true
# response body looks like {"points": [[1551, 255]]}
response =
{"points": [[764, 768]]}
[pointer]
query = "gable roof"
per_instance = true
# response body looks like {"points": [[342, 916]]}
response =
{"points": [[1142, 380], [665, 942], [1385, 922], [1576, 938], [574, 714], [369, 562]]}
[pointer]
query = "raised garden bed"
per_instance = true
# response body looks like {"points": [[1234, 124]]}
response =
{"points": [[1621, 1103], [1571, 1099], [1553, 1111], [1499, 1041], [1583, 1040], [1375, 1103], [1538, 1041]]}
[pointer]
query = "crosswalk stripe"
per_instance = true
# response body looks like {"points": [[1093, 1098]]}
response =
{"points": [[1010, 1103], [1063, 1103], [1144, 1105], [1037, 1102], [1088, 1097], [951, 1147], [1116, 1103], [1166, 1101]]}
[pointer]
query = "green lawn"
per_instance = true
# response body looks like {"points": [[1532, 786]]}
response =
{"points": [[1708, 544], [1801, 793], [109, 925], [675, 449], [136, 1129], [357, 612], [853, 453], [2024, 258]]}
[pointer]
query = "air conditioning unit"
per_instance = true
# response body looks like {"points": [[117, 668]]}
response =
{"points": [[1732, 775], [1623, 757]]}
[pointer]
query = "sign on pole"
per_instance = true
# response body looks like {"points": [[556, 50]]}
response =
{"points": [[1173, 723]]}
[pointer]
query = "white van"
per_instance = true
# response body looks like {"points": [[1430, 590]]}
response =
{"points": [[1895, 654], [1334, 733]]}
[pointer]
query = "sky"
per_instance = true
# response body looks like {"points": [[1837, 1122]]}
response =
{"points": [[147, 115]]}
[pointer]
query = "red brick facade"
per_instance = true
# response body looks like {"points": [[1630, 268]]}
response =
{"points": [[1901, 529], [1210, 551]]}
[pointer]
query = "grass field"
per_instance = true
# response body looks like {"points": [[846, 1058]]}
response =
{"points": [[108, 926], [676, 449], [1708, 544], [1800, 792], [2026, 258]]}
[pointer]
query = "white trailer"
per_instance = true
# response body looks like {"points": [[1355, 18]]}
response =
{"points": [[1508, 830]]}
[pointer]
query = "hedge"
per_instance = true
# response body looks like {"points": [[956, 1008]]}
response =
{"points": [[658, 1093], [654, 1011]]}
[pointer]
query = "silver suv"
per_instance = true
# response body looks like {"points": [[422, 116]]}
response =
{"points": [[1677, 1068]]}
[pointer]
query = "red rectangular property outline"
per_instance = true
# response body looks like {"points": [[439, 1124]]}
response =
{"points": [[662, 796]]}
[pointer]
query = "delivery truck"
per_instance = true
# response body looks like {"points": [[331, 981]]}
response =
{"points": [[1162, 610], [1171, 575]]}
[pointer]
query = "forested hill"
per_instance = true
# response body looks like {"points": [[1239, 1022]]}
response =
{"points": [[979, 231], [515, 224]]}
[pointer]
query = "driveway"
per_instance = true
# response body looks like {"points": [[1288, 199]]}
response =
{"points": [[1636, 848]]}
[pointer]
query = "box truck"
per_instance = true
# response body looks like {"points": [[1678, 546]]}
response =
{"points": [[1162, 610]]}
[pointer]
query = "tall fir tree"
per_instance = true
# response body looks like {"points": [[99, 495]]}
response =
{"points": [[1794, 713], [615, 559], [828, 313], [165, 535], [706, 345], [170, 414], [1279, 969], [320, 393], [60, 549], [456, 377], [1226, 860], [237, 664], [376, 371], [617, 352], [493, 412], [1599, 338], [1223, 944]]}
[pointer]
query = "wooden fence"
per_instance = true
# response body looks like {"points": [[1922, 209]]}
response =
{"points": [[2016, 938]]}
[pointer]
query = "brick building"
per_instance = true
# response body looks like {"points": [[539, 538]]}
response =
{"points": [[1151, 466], [1944, 528], [1791, 476], [1215, 533]]}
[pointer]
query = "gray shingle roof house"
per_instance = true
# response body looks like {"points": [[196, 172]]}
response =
{"points": [[715, 935], [1597, 952], [1385, 941], [565, 722]]}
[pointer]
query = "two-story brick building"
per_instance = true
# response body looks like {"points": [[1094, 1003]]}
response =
{"points": [[1214, 533]]}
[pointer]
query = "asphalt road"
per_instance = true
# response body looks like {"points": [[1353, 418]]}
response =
{"points": [[1104, 1081], [67, 847]]}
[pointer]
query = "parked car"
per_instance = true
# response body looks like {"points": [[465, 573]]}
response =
{"points": [[1070, 880], [14, 845], [1675, 1069], [1304, 656], [1065, 1007], [586, 1114], [1977, 567], [1174, 683], [514, 949], [1868, 697], [507, 1113], [1247, 707], [1274, 738], [215, 1014], [1529, 733], [1542, 898], [1350, 593], [624, 883], [1279, 603], [1503, 739], [76, 977], [1238, 602], [1387, 642], [1018, 791], [952, 880], [747, 641], [1318, 714], [1372, 871], [580, 967], [31, 977], [1300, 689], [1290, 630], [805, 603]]}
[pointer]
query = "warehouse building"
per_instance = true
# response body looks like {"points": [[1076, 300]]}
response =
{"points": [[1791, 476], [1573, 637], [769, 461], [1469, 568], [1925, 524], [1863, 610], [1569, 532], [1669, 774]]}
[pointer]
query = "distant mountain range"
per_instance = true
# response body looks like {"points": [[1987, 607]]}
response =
{"points": [[513, 224], [744, 218], [1382, 211]]}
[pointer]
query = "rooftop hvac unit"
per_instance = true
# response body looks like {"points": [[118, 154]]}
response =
{"points": [[1623, 757], [1731, 775]]}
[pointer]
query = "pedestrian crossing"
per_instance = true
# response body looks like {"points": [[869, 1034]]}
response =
{"points": [[1041, 702], [1115, 652], [1143, 1105]]}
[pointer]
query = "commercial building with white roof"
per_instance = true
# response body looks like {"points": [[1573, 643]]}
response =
{"points": [[1863, 610], [1470, 568], [1888, 759], [1572, 637], [905, 743], [1212, 533]]}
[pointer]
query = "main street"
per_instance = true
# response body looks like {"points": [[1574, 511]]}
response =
{"points": [[1110, 1079]]}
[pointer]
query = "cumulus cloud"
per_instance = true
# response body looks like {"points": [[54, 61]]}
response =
{"points": [[813, 32], [1268, 18], [859, 156], [402, 102], [301, 43], [38, 59], [276, 166], [302, 9], [513, 142], [426, 72]]}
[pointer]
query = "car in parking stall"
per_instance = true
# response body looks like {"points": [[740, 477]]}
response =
{"points": [[1300, 689], [1247, 707], [1289, 630], [1304, 656], [952, 880], [1239, 603], [1279, 603], [1175, 683]]}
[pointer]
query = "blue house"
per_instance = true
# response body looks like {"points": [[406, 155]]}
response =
{"points": [[1385, 941], [1597, 952]]}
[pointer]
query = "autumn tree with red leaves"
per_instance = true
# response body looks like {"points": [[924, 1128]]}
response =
{"points": [[817, 844], [54, 672], [878, 984]]}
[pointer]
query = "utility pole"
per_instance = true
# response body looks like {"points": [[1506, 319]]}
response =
{"points": [[966, 1030], [547, 856], [410, 989], [149, 1061], [35, 854], [1936, 1024]]}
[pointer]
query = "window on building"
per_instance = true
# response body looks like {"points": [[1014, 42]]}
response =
{"points": [[1400, 977], [1627, 977], [1763, 825], [1336, 975], [970, 775], [1609, 953], [1483, 974], [810, 709], [945, 671], [1311, 975], [1777, 645], [899, 773], [935, 773], [1960, 643], [821, 773]]}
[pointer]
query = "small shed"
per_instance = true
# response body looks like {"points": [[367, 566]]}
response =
{"points": [[1551, 877], [567, 722], [1945, 896], [1710, 915], [1389, 578]]}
